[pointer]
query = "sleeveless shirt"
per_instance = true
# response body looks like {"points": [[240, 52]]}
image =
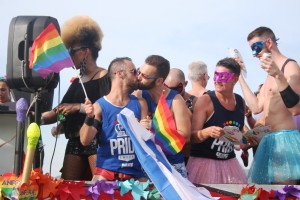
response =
{"points": [[213, 148], [115, 151], [173, 159]]}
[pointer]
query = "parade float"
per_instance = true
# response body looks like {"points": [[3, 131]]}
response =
{"points": [[22, 178]]}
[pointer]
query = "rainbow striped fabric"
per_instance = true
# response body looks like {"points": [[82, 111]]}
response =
{"points": [[166, 135], [48, 53]]}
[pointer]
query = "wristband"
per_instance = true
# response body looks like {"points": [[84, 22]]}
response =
{"points": [[289, 97], [97, 124], [89, 120]]}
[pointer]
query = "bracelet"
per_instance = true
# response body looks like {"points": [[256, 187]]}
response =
{"points": [[89, 120], [82, 110], [289, 96], [97, 124]]}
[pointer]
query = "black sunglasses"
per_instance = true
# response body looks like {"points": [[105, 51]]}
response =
{"points": [[133, 71], [178, 88], [73, 50]]}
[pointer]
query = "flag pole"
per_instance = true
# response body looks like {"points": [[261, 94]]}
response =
{"points": [[80, 82]]}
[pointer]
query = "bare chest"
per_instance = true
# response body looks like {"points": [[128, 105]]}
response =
{"points": [[271, 88]]}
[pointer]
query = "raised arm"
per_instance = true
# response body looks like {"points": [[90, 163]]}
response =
{"points": [[255, 104], [92, 122], [288, 83]]}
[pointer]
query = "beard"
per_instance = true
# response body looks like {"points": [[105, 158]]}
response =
{"points": [[132, 87], [149, 86]]}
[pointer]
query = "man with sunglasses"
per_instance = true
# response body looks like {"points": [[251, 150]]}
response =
{"points": [[277, 159], [152, 75], [176, 81], [116, 159]]}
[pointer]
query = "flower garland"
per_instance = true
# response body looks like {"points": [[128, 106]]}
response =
{"points": [[43, 186], [288, 192]]}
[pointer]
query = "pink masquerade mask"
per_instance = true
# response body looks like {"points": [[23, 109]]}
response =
{"points": [[223, 77]]}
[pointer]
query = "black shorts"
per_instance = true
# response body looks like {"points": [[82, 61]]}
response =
{"points": [[75, 147]]}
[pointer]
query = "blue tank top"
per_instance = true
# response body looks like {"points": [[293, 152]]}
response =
{"points": [[173, 159], [115, 151], [214, 148]]}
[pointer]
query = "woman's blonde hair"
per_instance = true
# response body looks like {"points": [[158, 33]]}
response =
{"points": [[82, 30]]}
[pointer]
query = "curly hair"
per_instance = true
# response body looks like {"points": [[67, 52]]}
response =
{"points": [[82, 30]]}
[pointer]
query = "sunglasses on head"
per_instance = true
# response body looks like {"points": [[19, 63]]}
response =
{"points": [[73, 50], [257, 47], [177, 88], [146, 76]]}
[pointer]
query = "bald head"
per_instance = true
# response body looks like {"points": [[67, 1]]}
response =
{"points": [[175, 76], [173, 80]]}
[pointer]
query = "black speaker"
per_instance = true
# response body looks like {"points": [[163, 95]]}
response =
{"points": [[22, 32]]}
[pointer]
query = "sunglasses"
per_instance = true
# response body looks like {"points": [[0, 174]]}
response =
{"points": [[146, 76], [257, 47], [208, 77], [177, 88], [73, 50], [133, 71]]}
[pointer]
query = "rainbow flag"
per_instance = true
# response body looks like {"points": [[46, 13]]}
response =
{"points": [[48, 53], [166, 135]]}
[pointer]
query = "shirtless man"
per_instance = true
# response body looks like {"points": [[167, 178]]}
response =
{"points": [[277, 159]]}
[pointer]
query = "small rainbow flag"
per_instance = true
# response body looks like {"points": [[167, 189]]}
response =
{"points": [[48, 53], [166, 135]]}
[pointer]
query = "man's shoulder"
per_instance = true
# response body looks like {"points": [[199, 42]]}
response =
{"points": [[137, 93]]}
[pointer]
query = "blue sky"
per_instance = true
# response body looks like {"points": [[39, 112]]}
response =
{"points": [[181, 31]]}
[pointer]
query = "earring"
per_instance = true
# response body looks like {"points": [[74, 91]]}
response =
{"points": [[82, 67]]}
